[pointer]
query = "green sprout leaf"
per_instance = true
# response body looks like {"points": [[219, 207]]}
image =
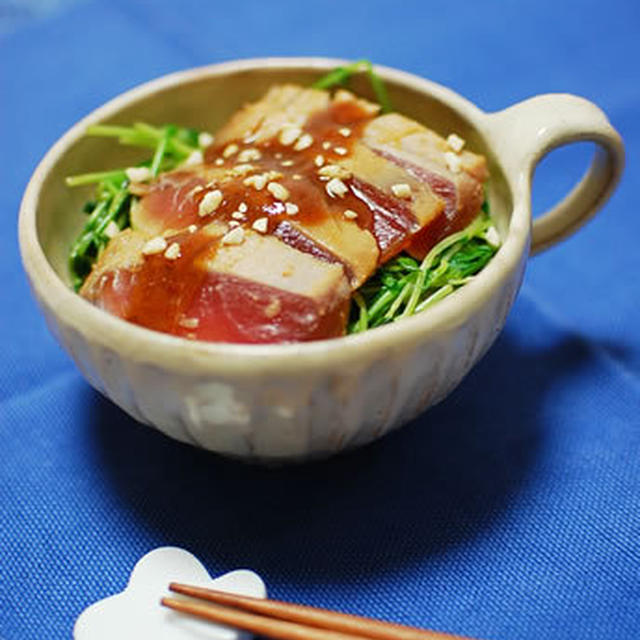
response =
{"points": [[403, 287], [340, 75], [112, 199]]}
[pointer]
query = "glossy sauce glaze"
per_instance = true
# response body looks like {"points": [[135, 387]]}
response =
{"points": [[175, 291], [174, 201], [181, 297], [457, 213]]}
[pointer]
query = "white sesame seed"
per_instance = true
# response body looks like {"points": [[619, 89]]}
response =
{"points": [[335, 187], [111, 230], [291, 209], [273, 308], [260, 225], [342, 95], [216, 228], [189, 323], [326, 145], [155, 245], [345, 132], [210, 202], [230, 149], [197, 189], [304, 142], [341, 151], [235, 236], [205, 139], [138, 174], [249, 137], [238, 215], [278, 191], [272, 175], [453, 161], [242, 207], [401, 190], [233, 223], [455, 142], [334, 171], [277, 156], [219, 162], [192, 228], [318, 160], [296, 176], [241, 169], [193, 159], [173, 251], [289, 134], [257, 182], [287, 163], [349, 214], [247, 155]]}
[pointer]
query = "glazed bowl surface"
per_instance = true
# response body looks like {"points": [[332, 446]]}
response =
{"points": [[287, 402]]}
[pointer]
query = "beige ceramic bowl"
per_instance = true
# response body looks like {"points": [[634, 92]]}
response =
{"points": [[295, 401]]}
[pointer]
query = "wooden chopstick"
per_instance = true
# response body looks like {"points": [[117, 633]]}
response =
{"points": [[289, 621]]}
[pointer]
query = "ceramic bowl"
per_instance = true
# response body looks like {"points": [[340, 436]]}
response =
{"points": [[296, 401]]}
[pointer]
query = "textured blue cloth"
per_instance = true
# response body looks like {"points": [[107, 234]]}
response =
{"points": [[510, 511]]}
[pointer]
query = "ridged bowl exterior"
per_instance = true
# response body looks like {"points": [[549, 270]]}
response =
{"points": [[286, 402], [287, 414]]}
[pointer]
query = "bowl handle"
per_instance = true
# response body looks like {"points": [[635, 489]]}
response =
{"points": [[524, 133]]}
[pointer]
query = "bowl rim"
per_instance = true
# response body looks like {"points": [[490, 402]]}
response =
{"points": [[153, 347]]}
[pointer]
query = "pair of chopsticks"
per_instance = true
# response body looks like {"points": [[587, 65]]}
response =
{"points": [[288, 621]]}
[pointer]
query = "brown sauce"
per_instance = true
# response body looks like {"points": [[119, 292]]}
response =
{"points": [[391, 220], [176, 198], [181, 297], [454, 217], [292, 236]]}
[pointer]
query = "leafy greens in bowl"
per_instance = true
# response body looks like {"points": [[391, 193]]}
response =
{"points": [[305, 399], [410, 199]]}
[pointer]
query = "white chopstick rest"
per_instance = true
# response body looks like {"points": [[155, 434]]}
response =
{"points": [[136, 613]]}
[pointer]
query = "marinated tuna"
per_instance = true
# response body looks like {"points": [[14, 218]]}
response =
{"points": [[299, 200]]}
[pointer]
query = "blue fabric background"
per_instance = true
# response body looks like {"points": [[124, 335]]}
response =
{"points": [[510, 511]]}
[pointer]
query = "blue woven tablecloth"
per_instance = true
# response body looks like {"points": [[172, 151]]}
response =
{"points": [[511, 511]]}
